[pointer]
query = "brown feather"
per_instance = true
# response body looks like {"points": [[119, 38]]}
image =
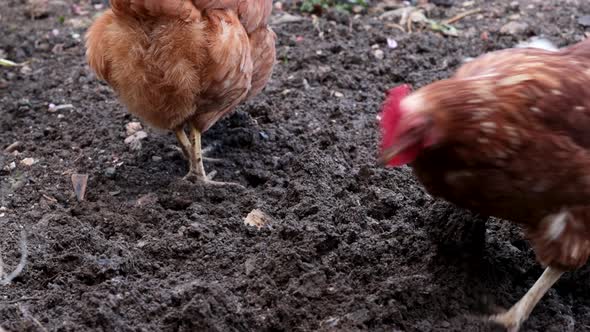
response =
{"points": [[175, 61]]}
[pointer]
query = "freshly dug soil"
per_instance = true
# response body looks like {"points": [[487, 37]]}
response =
{"points": [[351, 245]]}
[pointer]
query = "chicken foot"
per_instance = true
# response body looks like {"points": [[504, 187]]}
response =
{"points": [[204, 152], [513, 318], [191, 148]]}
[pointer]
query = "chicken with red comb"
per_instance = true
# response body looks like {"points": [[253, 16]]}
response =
{"points": [[506, 136]]}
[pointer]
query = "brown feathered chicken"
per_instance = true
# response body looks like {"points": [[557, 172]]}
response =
{"points": [[179, 62], [506, 136]]}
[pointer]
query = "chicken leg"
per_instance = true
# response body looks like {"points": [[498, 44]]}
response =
{"points": [[192, 150], [513, 318]]}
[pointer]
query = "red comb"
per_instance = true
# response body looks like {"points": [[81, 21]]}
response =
{"points": [[391, 113]]}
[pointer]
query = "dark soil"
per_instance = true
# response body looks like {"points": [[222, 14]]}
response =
{"points": [[352, 245]]}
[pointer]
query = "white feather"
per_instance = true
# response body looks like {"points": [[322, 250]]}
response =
{"points": [[533, 42], [538, 42]]}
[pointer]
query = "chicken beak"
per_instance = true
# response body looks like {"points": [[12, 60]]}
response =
{"points": [[394, 150]]}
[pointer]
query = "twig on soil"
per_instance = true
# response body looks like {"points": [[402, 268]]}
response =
{"points": [[316, 24], [22, 299], [409, 23], [461, 16], [396, 26], [21, 265], [12, 147]]}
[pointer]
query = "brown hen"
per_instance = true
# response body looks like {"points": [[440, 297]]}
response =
{"points": [[176, 62], [506, 136]]}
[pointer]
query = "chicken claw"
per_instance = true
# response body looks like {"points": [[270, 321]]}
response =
{"points": [[513, 318], [204, 152], [197, 178], [192, 150]]}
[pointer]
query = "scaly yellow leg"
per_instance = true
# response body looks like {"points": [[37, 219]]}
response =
{"points": [[185, 144], [197, 168], [191, 148], [518, 314]]}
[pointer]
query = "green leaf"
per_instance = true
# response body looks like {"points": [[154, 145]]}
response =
{"points": [[444, 28]]}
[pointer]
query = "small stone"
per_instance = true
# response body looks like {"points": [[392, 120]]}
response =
{"points": [[584, 20], [514, 28], [250, 265], [391, 43], [134, 141], [338, 94], [156, 159], [24, 102], [147, 200], [514, 5], [28, 161], [263, 135], [358, 9], [10, 166], [25, 70], [306, 85], [110, 172], [257, 218], [133, 127], [43, 46], [379, 55], [54, 108], [514, 17]]}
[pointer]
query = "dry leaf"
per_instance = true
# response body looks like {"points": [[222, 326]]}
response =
{"points": [[257, 219], [133, 127], [79, 181]]}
